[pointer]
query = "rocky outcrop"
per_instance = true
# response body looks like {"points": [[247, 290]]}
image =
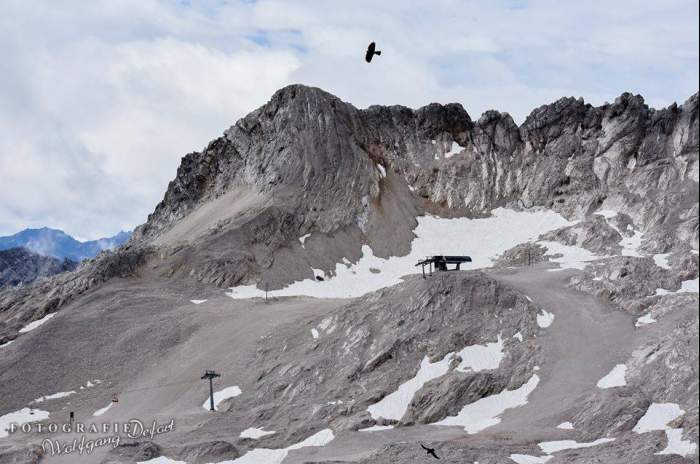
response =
{"points": [[21, 266], [367, 348]]}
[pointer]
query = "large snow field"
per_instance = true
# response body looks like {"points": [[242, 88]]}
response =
{"points": [[482, 239]]}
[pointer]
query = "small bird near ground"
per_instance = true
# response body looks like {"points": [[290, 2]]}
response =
{"points": [[371, 51], [430, 451]]}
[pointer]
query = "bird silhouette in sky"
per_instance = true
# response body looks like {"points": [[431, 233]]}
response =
{"points": [[430, 451], [371, 52]]}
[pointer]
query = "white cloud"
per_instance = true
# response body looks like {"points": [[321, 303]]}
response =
{"points": [[99, 100]]}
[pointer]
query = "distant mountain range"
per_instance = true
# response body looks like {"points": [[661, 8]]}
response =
{"points": [[58, 244]]}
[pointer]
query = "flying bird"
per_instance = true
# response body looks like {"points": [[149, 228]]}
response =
{"points": [[371, 52], [430, 451]]}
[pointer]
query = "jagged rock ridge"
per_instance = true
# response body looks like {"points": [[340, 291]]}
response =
{"points": [[317, 164]]}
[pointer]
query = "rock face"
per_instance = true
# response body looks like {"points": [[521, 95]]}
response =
{"points": [[337, 366], [21, 266], [317, 164]]}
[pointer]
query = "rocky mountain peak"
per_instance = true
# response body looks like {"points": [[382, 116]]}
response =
{"points": [[308, 162]]}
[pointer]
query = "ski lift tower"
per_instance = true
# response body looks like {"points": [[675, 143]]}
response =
{"points": [[211, 375]]}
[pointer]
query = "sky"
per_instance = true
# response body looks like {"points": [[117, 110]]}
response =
{"points": [[100, 99]]}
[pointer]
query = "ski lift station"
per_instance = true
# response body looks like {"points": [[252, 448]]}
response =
{"points": [[441, 263]]}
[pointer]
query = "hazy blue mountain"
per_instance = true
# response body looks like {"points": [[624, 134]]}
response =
{"points": [[56, 243]]}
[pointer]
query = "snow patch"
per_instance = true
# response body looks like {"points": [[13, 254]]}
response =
{"points": [[376, 428], [616, 378], [485, 412], [687, 286], [518, 336], [566, 426], [544, 318], [550, 447], [314, 333], [37, 323], [606, 213], [276, 456], [222, 395], [382, 171], [690, 286], [454, 149], [481, 357], [319, 273], [394, 405], [572, 257], [645, 320], [527, 459], [161, 460], [303, 238], [475, 358], [657, 417], [495, 234], [20, 417], [99, 412], [198, 302], [256, 433], [327, 325], [54, 396], [661, 260], [676, 444], [630, 245]]}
